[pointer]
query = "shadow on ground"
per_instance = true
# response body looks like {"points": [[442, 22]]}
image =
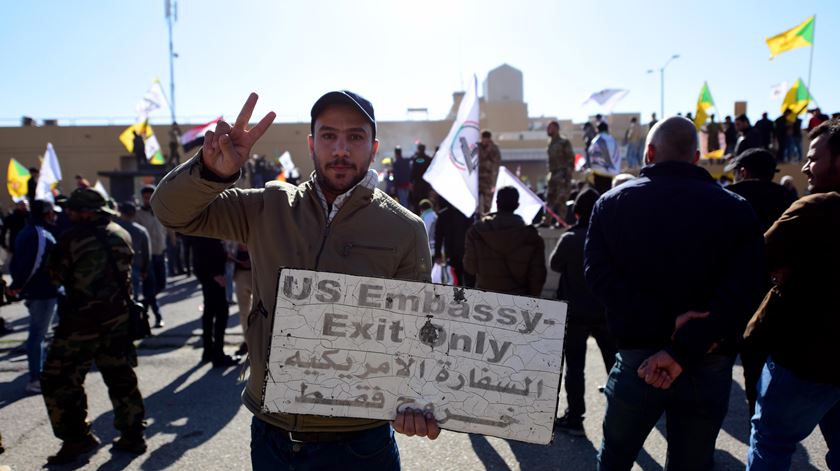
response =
{"points": [[190, 414]]}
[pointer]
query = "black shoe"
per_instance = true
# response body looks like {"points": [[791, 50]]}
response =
{"points": [[243, 350], [131, 444], [225, 361], [70, 451], [159, 324], [602, 388], [572, 427]]}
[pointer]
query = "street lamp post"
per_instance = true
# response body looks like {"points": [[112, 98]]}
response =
{"points": [[662, 84]]}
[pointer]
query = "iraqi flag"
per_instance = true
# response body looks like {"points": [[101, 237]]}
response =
{"points": [[194, 137]]}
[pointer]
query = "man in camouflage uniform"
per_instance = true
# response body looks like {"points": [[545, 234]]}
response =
{"points": [[93, 326], [489, 159], [561, 162]]}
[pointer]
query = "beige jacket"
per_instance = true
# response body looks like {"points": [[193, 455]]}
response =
{"points": [[157, 233], [285, 226]]}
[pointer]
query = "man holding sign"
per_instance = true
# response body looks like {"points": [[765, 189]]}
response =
{"points": [[335, 222]]}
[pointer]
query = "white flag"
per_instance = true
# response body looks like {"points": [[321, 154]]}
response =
{"points": [[99, 187], [152, 147], [608, 97], [288, 165], [154, 99], [453, 172], [529, 203], [49, 175], [778, 91]]}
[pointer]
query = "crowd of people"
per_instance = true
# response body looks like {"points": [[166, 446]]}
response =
{"points": [[673, 275], [71, 262]]}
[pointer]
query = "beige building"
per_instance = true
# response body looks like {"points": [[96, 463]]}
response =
{"points": [[91, 151]]}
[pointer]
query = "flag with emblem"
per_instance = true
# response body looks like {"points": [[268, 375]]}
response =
{"points": [[801, 35], [453, 172]]}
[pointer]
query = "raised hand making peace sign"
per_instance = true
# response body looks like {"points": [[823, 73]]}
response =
{"points": [[227, 148]]}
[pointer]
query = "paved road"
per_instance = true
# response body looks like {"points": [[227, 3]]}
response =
{"points": [[196, 420]]}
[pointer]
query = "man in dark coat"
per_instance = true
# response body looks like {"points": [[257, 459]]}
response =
{"points": [[754, 171], [678, 263], [586, 316], [209, 268], [419, 164], [450, 231], [748, 136], [505, 254]]}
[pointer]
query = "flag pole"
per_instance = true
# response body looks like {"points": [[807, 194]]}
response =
{"points": [[811, 61]]}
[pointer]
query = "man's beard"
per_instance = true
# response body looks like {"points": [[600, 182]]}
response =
{"points": [[325, 184]]}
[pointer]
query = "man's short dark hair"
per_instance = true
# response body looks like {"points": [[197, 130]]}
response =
{"points": [[507, 199], [128, 208], [830, 129], [486, 133], [743, 117], [584, 203], [553, 123], [603, 127], [758, 161]]}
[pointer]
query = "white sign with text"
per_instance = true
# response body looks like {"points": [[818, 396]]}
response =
{"points": [[350, 346]]}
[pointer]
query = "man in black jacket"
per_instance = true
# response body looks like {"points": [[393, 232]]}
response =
{"points": [[678, 263], [450, 231], [754, 171], [585, 314], [209, 266], [748, 136]]}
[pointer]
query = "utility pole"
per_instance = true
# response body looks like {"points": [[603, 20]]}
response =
{"points": [[662, 84], [171, 8]]}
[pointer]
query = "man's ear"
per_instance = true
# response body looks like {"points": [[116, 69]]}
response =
{"points": [[650, 155], [696, 157], [311, 141], [374, 150]]}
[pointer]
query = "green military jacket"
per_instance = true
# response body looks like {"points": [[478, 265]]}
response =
{"points": [[94, 292]]}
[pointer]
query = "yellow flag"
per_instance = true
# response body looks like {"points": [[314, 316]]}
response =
{"points": [[704, 104], [17, 178], [127, 136], [796, 100], [801, 35]]}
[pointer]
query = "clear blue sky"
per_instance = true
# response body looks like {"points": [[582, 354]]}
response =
{"points": [[95, 59]]}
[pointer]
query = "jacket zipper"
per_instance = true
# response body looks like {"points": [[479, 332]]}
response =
{"points": [[323, 244]]}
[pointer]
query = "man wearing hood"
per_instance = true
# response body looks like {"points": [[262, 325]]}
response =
{"points": [[503, 253]]}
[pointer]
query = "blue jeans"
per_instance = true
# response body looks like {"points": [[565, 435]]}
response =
{"points": [[159, 267], [41, 314], [694, 406], [136, 280], [788, 410], [402, 196], [272, 449], [150, 293]]}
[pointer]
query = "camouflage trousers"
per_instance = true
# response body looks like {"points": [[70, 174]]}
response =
{"points": [[62, 381], [558, 191], [485, 201]]}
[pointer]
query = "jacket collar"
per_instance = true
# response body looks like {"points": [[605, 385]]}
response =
{"points": [[677, 170]]}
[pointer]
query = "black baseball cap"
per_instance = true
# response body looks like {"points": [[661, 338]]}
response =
{"points": [[343, 97], [759, 162]]}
